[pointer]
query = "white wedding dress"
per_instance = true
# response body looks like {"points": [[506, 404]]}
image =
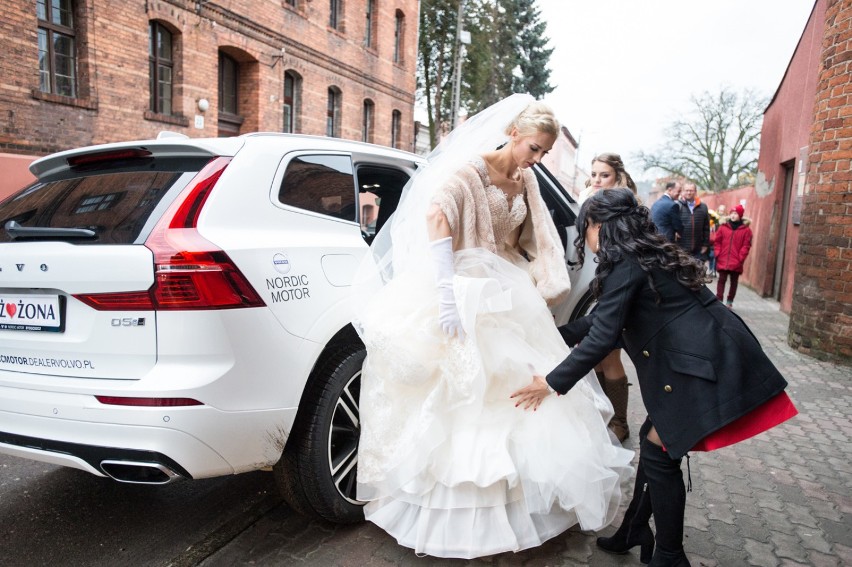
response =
{"points": [[447, 464]]}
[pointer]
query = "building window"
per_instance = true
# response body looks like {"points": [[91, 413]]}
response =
{"points": [[396, 127], [57, 51], [334, 17], [369, 32], [229, 88], [291, 101], [399, 29], [367, 125], [290, 3], [332, 120], [229, 76], [161, 68]]}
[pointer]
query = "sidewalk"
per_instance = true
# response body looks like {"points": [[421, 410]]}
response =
{"points": [[782, 498]]}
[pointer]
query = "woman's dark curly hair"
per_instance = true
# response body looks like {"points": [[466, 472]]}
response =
{"points": [[627, 231]]}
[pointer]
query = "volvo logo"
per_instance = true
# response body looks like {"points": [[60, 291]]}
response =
{"points": [[20, 267], [281, 263]]}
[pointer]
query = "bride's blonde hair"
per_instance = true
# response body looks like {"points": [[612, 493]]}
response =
{"points": [[536, 117]]}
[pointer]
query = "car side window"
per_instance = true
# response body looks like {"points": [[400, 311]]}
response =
{"points": [[379, 190], [322, 184]]}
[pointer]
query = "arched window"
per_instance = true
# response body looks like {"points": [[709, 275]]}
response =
{"points": [[292, 90], [161, 69], [57, 48], [332, 120], [398, 37], [368, 120], [396, 128]]}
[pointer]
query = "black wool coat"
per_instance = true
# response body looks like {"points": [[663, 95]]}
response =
{"points": [[699, 366], [696, 227]]}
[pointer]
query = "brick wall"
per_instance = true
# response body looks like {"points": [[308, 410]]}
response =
{"points": [[266, 38], [821, 315]]}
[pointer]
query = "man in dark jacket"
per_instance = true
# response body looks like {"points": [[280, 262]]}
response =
{"points": [[666, 212], [696, 223]]}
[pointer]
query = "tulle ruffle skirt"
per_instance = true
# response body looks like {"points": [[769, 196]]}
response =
{"points": [[447, 464]]}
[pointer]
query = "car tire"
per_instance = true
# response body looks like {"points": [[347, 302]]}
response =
{"points": [[317, 471], [584, 306]]}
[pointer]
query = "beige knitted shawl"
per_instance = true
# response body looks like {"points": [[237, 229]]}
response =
{"points": [[463, 201]]}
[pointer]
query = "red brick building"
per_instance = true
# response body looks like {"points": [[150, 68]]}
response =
{"points": [[821, 315], [79, 72]]}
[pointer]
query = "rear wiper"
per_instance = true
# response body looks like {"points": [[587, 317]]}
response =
{"points": [[15, 230]]}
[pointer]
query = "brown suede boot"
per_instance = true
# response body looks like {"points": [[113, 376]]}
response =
{"points": [[601, 379], [616, 391]]}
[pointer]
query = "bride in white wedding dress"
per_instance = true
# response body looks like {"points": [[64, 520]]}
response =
{"points": [[454, 314]]}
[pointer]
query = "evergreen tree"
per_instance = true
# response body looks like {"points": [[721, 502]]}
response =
{"points": [[508, 53], [436, 51], [531, 49]]}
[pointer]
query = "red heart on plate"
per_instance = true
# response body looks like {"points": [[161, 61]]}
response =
{"points": [[11, 309]]}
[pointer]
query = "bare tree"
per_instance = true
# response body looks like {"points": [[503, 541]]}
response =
{"points": [[716, 145]]}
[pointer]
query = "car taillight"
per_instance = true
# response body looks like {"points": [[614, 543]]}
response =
{"points": [[190, 272], [147, 402], [107, 156]]}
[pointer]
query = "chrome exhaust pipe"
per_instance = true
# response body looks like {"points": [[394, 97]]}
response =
{"points": [[135, 472]]}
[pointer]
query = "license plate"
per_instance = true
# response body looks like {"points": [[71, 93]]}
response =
{"points": [[32, 313]]}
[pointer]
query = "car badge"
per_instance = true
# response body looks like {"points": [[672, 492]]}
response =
{"points": [[281, 263]]}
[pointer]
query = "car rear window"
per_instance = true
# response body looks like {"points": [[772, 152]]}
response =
{"points": [[114, 201]]}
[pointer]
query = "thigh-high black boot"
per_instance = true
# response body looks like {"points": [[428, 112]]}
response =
{"points": [[668, 500], [634, 529]]}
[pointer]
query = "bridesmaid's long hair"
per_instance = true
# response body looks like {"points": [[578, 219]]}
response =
{"points": [[627, 231]]}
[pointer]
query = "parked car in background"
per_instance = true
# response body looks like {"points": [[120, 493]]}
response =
{"points": [[179, 308]]}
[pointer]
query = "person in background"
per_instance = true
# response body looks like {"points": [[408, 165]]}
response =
{"points": [[608, 172], [696, 223], [665, 212], [732, 245], [701, 395], [711, 252]]}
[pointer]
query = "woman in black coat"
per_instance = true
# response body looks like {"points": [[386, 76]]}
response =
{"points": [[704, 378]]}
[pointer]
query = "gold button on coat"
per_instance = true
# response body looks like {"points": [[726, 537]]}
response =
{"points": [[646, 354], [667, 388]]}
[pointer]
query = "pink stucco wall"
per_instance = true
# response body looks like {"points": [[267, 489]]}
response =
{"points": [[15, 173], [784, 137]]}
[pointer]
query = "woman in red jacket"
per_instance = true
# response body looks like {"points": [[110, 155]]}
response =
{"points": [[732, 243]]}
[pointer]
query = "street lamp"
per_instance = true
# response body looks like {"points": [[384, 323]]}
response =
{"points": [[462, 39]]}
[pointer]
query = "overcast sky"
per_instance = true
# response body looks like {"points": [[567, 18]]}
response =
{"points": [[625, 69]]}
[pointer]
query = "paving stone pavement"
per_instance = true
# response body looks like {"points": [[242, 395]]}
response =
{"points": [[782, 498]]}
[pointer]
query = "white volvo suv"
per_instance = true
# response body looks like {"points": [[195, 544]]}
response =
{"points": [[178, 308]]}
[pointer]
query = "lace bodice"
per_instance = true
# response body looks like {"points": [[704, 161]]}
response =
{"points": [[506, 216]]}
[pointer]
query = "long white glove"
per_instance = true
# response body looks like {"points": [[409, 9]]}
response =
{"points": [[441, 251]]}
